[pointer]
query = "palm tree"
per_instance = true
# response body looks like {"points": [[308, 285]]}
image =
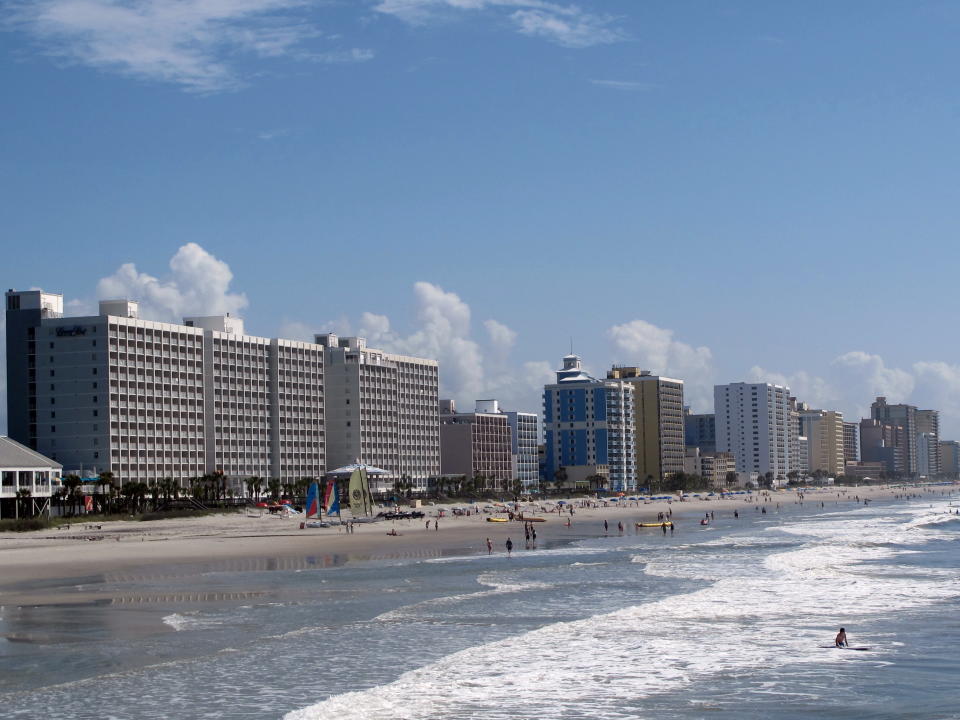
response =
{"points": [[70, 485], [560, 477], [22, 496], [273, 486]]}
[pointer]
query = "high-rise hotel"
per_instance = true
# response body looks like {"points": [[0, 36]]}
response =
{"points": [[147, 400]]}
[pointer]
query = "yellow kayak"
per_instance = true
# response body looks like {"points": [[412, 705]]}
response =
{"points": [[492, 519], [659, 524]]}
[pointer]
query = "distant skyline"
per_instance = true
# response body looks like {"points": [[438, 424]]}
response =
{"points": [[716, 192]]}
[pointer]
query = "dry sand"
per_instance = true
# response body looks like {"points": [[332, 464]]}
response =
{"points": [[30, 563]]}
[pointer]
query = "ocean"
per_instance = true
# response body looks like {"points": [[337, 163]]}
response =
{"points": [[722, 621]]}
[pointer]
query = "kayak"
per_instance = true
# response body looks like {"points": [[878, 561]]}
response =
{"points": [[659, 524], [533, 519], [497, 520]]}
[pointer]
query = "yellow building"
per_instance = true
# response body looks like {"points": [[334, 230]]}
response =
{"points": [[824, 432], [658, 420]]}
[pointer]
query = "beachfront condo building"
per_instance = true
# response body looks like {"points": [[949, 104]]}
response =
{"points": [[524, 447], [589, 431], [712, 466], [658, 422], [883, 443], [700, 430], [146, 400], [950, 458], [381, 411], [851, 442], [524, 441], [824, 432], [754, 424], [904, 417], [928, 443], [477, 445]]}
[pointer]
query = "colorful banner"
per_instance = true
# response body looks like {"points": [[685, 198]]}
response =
{"points": [[312, 508], [331, 499]]}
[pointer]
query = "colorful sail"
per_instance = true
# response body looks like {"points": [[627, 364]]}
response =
{"points": [[312, 508], [331, 499]]}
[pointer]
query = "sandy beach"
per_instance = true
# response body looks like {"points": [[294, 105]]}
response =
{"points": [[32, 563]]}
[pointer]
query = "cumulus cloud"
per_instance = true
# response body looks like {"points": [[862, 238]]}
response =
{"points": [[471, 367], [190, 43], [873, 375], [806, 387], [654, 348], [501, 337], [566, 25], [198, 284]]}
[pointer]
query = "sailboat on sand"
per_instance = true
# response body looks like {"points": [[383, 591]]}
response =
{"points": [[361, 501]]}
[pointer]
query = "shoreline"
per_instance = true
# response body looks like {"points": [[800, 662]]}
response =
{"points": [[41, 567]]}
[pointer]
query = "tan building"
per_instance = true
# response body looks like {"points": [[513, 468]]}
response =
{"points": [[825, 439], [476, 445], [658, 421], [713, 466]]}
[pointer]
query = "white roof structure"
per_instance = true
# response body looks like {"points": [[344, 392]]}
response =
{"points": [[14, 456], [348, 470]]}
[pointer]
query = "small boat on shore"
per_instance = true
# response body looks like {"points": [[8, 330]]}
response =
{"points": [[531, 519], [493, 519], [668, 523]]}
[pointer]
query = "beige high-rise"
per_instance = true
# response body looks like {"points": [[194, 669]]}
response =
{"points": [[658, 419], [824, 432]]}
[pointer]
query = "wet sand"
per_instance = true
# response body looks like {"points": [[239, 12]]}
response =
{"points": [[45, 566]]}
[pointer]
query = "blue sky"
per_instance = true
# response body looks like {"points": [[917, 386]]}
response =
{"points": [[720, 191]]}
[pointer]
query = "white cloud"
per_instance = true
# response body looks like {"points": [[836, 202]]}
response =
{"points": [[502, 337], [870, 374], [621, 84], [808, 388], [186, 42], [198, 284], [470, 368], [570, 29], [653, 348], [566, 25]]}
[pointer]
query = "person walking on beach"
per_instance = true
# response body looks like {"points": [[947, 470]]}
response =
{"points": [[428, 524], [509, 544], [664, 528], [489, 546], [841, 639], [436, 525], [604, 526]]}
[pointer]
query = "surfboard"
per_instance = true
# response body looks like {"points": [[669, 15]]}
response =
{"points": [[844, 648], [668, 524]]}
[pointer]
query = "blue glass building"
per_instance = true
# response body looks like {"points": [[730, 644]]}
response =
{"points": [[588, 430]]}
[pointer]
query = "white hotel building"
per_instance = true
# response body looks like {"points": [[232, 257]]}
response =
{"points": [[146, 400], [382, 410], [753, 422]]}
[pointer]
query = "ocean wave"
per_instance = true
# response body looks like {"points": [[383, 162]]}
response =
{"points": [[736, 624]]}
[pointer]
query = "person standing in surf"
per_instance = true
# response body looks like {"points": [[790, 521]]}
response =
{"points": [[509, 546], [841, 640]]}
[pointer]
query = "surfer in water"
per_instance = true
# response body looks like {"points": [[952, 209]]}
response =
{"points": [[841, 640]]}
